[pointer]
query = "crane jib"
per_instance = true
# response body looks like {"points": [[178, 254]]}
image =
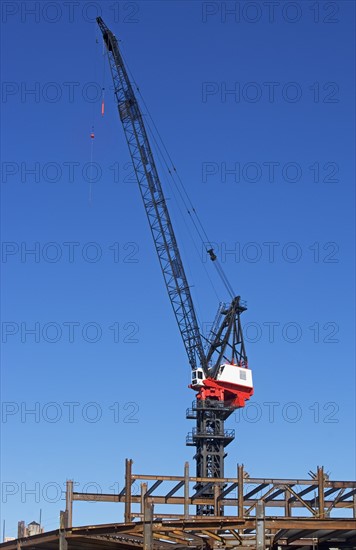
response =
{"points": [[155, 204], [225, 342]]}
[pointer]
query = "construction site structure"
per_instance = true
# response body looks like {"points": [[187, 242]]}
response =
{"points": [[262, 514]]}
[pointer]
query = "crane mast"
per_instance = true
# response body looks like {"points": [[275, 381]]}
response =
{"points": [[217, 397]]}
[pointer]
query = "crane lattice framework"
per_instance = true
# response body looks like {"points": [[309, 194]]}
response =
{"points": [[217, 397]]}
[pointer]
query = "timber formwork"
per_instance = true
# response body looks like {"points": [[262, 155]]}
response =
{"points": [[260, 514]]}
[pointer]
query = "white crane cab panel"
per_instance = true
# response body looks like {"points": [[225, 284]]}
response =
{"points": [[198, 377], [235, 375]]}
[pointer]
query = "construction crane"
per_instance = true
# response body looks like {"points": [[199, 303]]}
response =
{"points": [[219, 367]]}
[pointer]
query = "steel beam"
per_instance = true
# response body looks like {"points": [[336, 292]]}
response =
{"points": [[228, 490], [179, 500], [281, 534], [260, 526], [255, 490], [312, 484], [175, 489], [69, 503], [303, 492], [147, 529], [333, 535], [63, 544], [142, 503], [304, 503], [275, 494], [321, 503], [305, 533], [128, 483], [154, 487], [201, 490], [287, 504], [186, 490], [347, 495], [240, 491]]}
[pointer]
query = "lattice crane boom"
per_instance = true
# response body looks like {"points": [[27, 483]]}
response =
{"points": [[155, 203]]}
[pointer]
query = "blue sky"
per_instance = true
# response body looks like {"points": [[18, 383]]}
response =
{"points": [[271, 100]]}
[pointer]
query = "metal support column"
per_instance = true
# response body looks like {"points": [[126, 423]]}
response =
{"points": [[63, 523], [69, 503], [320, 474], [260, 526], [287, 509], [217, 491], [63, 519], [63, 544], [240, 491], [186, 490], [147, 529], [142, 504], [128, 483]]}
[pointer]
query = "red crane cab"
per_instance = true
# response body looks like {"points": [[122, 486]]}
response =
{"points": [[233, 384]]}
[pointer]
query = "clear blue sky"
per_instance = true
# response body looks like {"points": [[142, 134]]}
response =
{"points": [[290, 131]]}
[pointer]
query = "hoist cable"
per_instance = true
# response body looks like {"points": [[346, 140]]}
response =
{"points": [[162, 159], [200, 231]]}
